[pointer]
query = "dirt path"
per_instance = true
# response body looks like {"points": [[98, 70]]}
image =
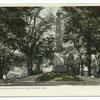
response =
{"points": [[30, 81]]}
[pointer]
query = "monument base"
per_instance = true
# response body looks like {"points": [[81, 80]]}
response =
{"points": [[58, 63]]}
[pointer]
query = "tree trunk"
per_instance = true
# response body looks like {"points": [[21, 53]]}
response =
{"points": [[81, 64], [30, 72], [38, 67], [89, 55], [89, 58], [80, 58], [82, 67], [29, 66], [1, 73], [89, 63]]}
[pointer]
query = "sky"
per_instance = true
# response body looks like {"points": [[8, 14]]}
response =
{"points": [[48, 10]]}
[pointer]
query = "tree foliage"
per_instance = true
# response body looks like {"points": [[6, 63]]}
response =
{"points": [[82, 29]]}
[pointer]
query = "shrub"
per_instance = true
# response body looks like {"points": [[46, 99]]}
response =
{"points": [[57, 77]]}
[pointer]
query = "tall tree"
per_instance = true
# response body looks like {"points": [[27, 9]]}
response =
{"points": [[11, 23], [31, 41], [82, 30]]}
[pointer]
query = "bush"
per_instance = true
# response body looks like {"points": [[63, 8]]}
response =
{"points": [[57, 77]]}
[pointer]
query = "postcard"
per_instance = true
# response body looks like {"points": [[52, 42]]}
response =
{"points": [[50, 50]]}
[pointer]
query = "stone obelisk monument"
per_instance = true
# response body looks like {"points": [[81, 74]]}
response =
{"points": [[58, 55]]}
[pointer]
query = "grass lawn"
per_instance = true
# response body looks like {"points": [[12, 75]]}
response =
{"points": [[57, 77]]}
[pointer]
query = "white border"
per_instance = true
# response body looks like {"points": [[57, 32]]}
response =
{"points": [[48, 1], [53, 98], [50, 90]]}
